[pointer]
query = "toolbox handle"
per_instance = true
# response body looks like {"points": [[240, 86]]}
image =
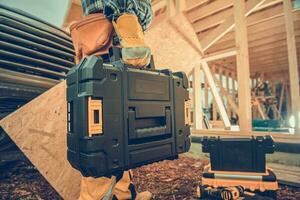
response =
{"points": [[143, 132]]}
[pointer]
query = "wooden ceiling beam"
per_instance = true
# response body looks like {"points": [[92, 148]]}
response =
{"points": [[212, 21], [261, 16], [277, 74], [269, 62], [256, 66], [229, 69], [279, 68], [258, 28], [271, 39], [282, 67], [266, 14], [263, 28], [253, 44], [208, 9], [258, 61], [275, 53], [265, 67], [266, 29], [271, 65], [261, 64], [271, 45], [253, 71], [281, 44], [194, 4], [220, 56], [227, 25]]}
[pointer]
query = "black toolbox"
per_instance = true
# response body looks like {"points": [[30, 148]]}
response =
{"points": [[238, 154], [121, 118]]}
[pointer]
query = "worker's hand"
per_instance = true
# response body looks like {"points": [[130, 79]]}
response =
{"points": [[91, 36], [135, 52]]}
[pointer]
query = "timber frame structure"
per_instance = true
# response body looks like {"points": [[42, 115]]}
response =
{"points": [[244, 42], [239, 44], [197, 37]]}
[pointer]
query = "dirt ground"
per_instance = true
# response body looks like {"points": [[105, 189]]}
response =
{"points": [[167, 180]]}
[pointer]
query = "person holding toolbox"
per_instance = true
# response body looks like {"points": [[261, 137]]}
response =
{"points": [[93, 35]]}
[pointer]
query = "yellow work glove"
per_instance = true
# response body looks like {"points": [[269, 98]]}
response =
{"points": [[135, 52]]}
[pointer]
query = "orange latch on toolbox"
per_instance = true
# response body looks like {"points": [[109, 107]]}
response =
{"points": [[187, 112], [95, 118]]}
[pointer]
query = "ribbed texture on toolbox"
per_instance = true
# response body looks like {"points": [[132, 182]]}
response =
{"points": [[32, 46]]}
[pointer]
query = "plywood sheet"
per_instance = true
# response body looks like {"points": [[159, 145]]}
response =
{"points": [[39, 129]]}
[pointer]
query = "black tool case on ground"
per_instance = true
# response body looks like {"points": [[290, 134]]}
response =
{"points": [[238, 154], [120, 118]]}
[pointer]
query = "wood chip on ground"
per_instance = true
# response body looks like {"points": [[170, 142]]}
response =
{"points": [[166, 180]]}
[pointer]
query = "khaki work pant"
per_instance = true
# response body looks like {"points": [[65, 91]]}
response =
{"points": [[104, 188]]}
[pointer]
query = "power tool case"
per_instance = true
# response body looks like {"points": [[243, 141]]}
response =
{"points": [[121, 118], [238, 154]]}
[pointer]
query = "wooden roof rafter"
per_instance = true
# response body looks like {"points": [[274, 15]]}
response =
{"points": [[266, 33]]}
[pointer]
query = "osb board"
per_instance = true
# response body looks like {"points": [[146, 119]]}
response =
{"points": [[39, 129], [174, 44]]}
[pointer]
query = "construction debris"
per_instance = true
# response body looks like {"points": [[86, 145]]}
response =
{"points": [[166, 180]]}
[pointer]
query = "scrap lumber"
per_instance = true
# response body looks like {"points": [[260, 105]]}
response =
{"points": [[39, 129]]}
